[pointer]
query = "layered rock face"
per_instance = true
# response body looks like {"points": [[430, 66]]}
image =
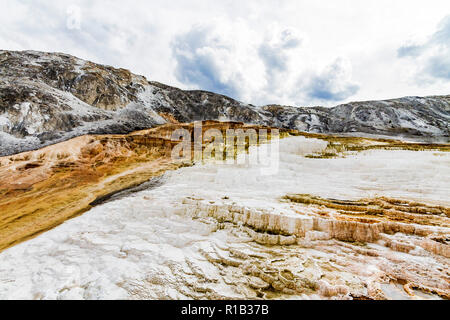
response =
{"points": [[49, 97], [396, 244], [316, 223]]}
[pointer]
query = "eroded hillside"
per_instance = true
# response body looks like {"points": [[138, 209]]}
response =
{"points": [[47, 98]]}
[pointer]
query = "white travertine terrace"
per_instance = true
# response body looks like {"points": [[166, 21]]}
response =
{"points": [[225, 232]]}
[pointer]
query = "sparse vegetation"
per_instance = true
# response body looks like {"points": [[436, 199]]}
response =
{"points": [[343, 146]]}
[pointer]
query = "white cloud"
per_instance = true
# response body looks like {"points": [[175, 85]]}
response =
{"points": [[287, 52], [264, 67], [432, 58], [220, 57], [334, 83]]}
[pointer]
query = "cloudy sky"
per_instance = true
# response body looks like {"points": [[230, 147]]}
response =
{"points": [[293, 52]]}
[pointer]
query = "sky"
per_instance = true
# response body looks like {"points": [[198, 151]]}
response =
{"points": [[296, 52]]}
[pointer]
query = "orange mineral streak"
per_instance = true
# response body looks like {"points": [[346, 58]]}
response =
{"points": [[43, 188]]}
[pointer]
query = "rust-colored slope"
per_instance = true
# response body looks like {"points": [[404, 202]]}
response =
{"points": [[41, 189]]}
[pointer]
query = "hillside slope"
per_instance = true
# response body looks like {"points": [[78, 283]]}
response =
{"points": [[51, 97]]}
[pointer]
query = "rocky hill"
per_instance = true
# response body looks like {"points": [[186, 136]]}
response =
{"points": [[50, 97]]}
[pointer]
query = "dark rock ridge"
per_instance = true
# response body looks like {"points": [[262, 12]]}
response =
{"points": [[50, 97]]}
